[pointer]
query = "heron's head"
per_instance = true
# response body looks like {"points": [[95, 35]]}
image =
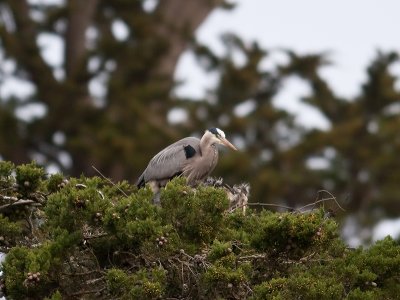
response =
{"points": [[218, 136]]}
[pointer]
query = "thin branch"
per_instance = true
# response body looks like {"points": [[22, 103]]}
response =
{"points": [[18, 203], [324, 200], [301, 260], [91, 281], [30, 223], [303, 207], [255, 256], [86, 292], [84, 273], [95, 236], [232, 209], [109, 180], [9, 198], [273, 205]]}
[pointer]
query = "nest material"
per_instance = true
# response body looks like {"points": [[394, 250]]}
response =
{"points": [[238, 194]]}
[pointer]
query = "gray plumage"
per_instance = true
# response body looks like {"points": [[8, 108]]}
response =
{"points": [[190, 157]]}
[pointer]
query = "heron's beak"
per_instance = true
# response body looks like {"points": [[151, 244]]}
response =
{"points": [[225, 142]]}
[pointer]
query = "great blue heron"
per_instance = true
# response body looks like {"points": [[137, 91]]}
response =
{"points": [[190, 157]]}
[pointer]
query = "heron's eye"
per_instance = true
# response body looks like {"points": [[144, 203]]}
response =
{"points": [[217, 132]]}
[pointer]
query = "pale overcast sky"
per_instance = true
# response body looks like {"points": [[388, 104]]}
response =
{"points": [[350, 30]]}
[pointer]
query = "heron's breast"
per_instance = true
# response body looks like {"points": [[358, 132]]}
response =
{"points": [[214, 160]]}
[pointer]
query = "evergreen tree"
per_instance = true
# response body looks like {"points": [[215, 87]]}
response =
{"points": [[86, 238], [119, 130]]}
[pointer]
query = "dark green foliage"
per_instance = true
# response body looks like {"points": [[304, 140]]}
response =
{"points": [[359, 274], [56, 296], [133, 220], [227, 279], [45, 261], [195, 214], [9, 231], [55, 182], [292, 232], [6, 169], [79, 198], [307, 286], [28, 178], [93, 239], [144, 284]]}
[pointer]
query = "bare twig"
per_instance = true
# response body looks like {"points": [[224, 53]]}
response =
{"points": [[301, 260], [273, 205], [232, 209], [255, 256], [18, 203], [323, 200], [6, 188], [84, 273], [91, 281], [8, 198], [301, 208], [86, 292], [248, 288], [31, 227], [109, 180], [81, 185], [95, 258], [95, 236]]}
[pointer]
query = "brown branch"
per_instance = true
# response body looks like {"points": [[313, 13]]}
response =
{"points": [[255, 256], [323, 200], [84, 273], [80, 15], [301, 260], [179, 20], [86, 292], [273, 205], [95, 236], [18, 203], [303, 207], [9, 198]]}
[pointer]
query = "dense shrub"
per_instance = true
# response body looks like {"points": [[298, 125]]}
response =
{"points": [[88, 238]]}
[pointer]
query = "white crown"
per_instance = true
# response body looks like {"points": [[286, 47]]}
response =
{"points": [[220, 132]]}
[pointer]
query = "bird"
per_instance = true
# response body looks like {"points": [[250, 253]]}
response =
{"points": [[190, 157]]}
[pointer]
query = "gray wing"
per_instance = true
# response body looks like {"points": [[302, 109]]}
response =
{"points": [[170, 161]]}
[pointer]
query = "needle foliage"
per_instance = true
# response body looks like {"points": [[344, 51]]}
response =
{"points": [[85, 238]]}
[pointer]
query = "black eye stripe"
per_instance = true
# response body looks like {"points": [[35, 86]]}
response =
{"points": [[214, 131]]}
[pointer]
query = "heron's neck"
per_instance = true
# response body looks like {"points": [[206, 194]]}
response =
{"points": [[207, 144]]}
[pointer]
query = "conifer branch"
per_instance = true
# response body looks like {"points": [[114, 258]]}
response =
{"points": [[18, 203], [109, 180]]}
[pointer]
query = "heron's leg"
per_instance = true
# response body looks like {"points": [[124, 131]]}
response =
{"points": [[155, 187], [157, 199]]}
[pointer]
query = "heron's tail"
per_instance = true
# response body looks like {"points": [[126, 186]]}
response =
{"points": [[140, 182]]}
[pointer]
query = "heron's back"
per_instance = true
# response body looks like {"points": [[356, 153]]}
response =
{"points": [[170, 162]]}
